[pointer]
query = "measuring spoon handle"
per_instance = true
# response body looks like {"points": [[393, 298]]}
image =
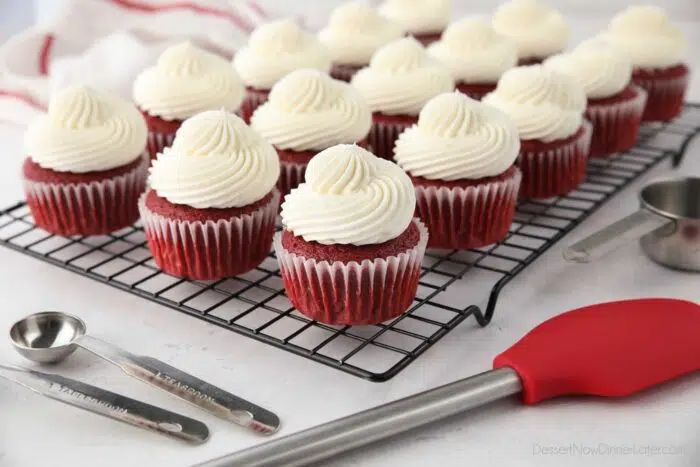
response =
{"points": [[187, 387], [109, 404]]}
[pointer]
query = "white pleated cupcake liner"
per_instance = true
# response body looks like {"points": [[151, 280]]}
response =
{"points": [[616, 125], [291, 176], [157, 142], [555, 172], [90, 208], [471, 216], [382, 138], [665, 97], [367, 292], [210, 250]]}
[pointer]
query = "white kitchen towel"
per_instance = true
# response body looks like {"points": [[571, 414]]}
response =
{"points": [[105, 43]]}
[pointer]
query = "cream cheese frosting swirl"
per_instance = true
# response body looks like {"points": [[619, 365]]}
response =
{"points": [[215, 161], [355, 32], [474, 51], [537, 29], [276, 49], [401, 78], [544, 104], [601, 68], [350, 197], [458, 138], [647, 36], [308, 110], [86, 131], [418, 16], [187, 80]]}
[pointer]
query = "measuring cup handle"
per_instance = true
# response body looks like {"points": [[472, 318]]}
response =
{"points": [[615, 235]]}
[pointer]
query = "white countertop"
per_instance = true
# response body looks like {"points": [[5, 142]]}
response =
{"points": [[35, 431]]}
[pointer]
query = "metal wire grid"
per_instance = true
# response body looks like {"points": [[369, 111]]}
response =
{"points": [[255, 304]]}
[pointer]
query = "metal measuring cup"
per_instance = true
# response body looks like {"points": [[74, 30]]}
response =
{"points": [[667, 225]]}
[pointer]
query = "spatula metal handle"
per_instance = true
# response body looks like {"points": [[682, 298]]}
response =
{"points": [[324, 441]]}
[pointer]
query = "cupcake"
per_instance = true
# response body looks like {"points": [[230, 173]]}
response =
{"points": [[398, 82], [185, 81], [308, 111], [537, 29], [211, 207], [656, 49], [461, 157], [351, 251], [615, 105], [274, 50], [476, 55], [353, 34], [86, 164], [547, 108], [423, 19]]}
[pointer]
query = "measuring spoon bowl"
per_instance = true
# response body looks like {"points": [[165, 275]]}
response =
{"points": [[47, 337]]}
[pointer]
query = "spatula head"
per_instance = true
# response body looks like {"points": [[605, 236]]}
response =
{"points": [[609, 349]]}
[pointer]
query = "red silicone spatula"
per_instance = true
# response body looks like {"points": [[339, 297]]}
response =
{"points": [[611, 349]]}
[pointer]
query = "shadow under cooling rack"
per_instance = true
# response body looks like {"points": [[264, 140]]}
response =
{"points": [[255, 304]]}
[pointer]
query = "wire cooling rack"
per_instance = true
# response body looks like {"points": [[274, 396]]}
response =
{"points": [[255, 304]]}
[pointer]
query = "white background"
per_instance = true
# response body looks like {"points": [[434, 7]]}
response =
{"points": [[36, 432]]}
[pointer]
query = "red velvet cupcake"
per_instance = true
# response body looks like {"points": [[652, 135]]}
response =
{"points": [[424, 20], [86, 166], [656, 49], [351, 251], [274, 50], [354, 32], [308, 112], [400, 79], [461, 157], [538, 30], [210, 212], [185, 81], [615, 106], [476, 55], [547, 108]]}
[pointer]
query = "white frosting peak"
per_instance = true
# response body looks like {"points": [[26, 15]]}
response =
{"points": [[602, 69], [276, 49], [215, 161], [86, 131], [187, 80], [355, 32], [401, 78], [418, 16], [350, 197], [308, 110], [544, 104], [474, 51], [458, 138], [647, 36], [537, 29]]}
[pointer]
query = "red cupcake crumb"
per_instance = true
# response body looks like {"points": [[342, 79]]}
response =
{"points": [[427, 38], [474, 90], [345, 72], [160, 125], [36, 173], [161, 206], [346, 253]]}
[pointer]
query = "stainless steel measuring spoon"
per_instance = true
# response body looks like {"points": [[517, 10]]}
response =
{"points": [[667, 226], [51, 336], [108, 404]]}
